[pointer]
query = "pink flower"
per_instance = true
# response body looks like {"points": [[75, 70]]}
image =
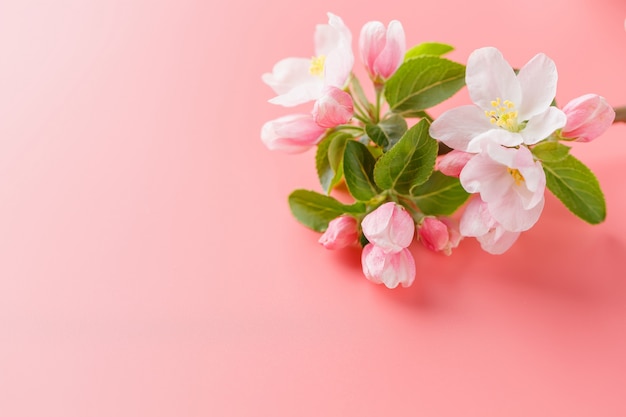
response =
{"points": [[382, 50], [452, 163], [389, 268], [299, 80], [439, 235], [292, 134], [334, 108], [509, 109], [588, 117], [510, 182], [478, 222], [389, 227], [341, 232]]}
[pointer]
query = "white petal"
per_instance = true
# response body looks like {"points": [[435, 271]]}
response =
{"points": [[489, 77], [497, 136], [301, 94], [329, 36], [457, 127], [338, 66], [542, 125], [537, 80], [287, 74]]}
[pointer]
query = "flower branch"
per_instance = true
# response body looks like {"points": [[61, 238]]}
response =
{"points": [[480, 170]]}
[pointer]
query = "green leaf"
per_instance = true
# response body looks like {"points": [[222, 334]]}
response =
{"points": [[423, 82], [316, 210], [577, 187], [358, 168], [440, 195], [388, 132], [328, 159], [428, 48], [550, 151], [409, 163]]}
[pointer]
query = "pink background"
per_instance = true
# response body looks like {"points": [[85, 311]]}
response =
{"points": [[149, 265]]}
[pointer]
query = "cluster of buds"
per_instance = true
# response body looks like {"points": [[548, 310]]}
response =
{"points": [[479, 170]]}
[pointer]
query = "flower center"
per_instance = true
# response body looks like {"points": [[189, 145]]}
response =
{"points": [[517, 176], [503, 115], [317, 65]]}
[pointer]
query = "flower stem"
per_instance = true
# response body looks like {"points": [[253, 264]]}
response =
{"points": [[620, 114]]}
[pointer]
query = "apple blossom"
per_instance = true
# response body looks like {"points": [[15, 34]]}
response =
{"points": [[439, 235], [382, 50], [478, 222], [389, 268], [292, 134], [389, 227], [588, 117], [299, 80], [342, 232], [334, 108], [509, 109], [510, 182]]}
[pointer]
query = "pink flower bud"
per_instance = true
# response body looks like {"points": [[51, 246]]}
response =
{"points": [[588, 117], [341, 232], [387, 268], [439, 235], [452, 163], [390, 227], [334, 108], [382, 51], [292, 134]]}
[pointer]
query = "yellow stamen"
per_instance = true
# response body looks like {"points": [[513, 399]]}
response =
{"points": [[503, 115], [317, 65], [517, 176]]}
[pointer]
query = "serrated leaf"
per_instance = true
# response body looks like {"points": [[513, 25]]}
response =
{"points": [[423, 82], [550, 151], [387, 132], [577, 187], [316, 210], [428, 48], [358, 168], [409, 163], [328, 159], [440, 195]]}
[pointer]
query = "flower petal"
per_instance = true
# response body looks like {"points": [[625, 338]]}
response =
{"points": [[287, 74], [509, 211], [329, 36], [537, 80], [457, 127], [489, 77], [498, 240], [392, 54], [542, 125]]}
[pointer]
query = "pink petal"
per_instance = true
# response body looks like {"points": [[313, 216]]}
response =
{"points": [[392, 54], [588, 117], [476, 220], [371, 43], [512, 215], [390, 269], [497, 241], [292, 134], [452, 163], [390, 226], [537, 80], [334, 108]]}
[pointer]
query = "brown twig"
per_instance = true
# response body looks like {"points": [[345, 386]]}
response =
{"points": [[620, 114]]}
